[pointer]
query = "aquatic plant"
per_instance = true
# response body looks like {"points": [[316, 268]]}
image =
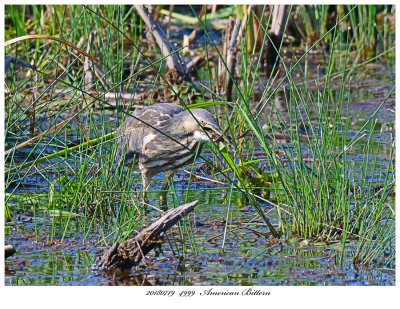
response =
{"points": [[297, 116]]}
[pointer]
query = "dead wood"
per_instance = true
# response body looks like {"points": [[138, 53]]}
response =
{"points": [[231, 60], [226, 35], [131, 252], [87, 72], [32, 111], [174, 60], [189, 38], [227, 70], [279, 16], [196, 61]]}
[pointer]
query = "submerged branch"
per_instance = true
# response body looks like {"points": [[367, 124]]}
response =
{"points": [[131, 252]]}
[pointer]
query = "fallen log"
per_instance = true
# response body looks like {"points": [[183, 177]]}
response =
{"points": [[131, 252]]}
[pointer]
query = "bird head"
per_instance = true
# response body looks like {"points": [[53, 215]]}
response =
{"points": [[205, 128]]}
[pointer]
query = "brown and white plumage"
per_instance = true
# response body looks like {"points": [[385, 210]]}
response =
{"points": [[164, 137]]}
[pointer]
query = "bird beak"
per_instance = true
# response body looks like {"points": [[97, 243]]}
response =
{"points": [[229, 144], [219, 137]]}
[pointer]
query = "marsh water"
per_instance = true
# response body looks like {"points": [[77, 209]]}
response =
{"points": [[240, 253], [246, 258], [242, 256]]}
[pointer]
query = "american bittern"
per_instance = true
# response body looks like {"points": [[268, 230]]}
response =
{"points": [[164, 137]]}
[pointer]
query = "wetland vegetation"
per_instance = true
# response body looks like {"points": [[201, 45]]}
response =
{"points": [[306, 94]]}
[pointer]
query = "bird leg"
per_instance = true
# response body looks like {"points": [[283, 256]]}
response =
{"points": [[163, 193], [146, 184]]}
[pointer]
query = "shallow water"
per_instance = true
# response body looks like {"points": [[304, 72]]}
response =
{"points": [[243, 257]]}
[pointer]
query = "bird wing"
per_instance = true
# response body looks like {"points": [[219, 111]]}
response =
{"points": [[128, 140], [135, 131], [159, 114]]}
